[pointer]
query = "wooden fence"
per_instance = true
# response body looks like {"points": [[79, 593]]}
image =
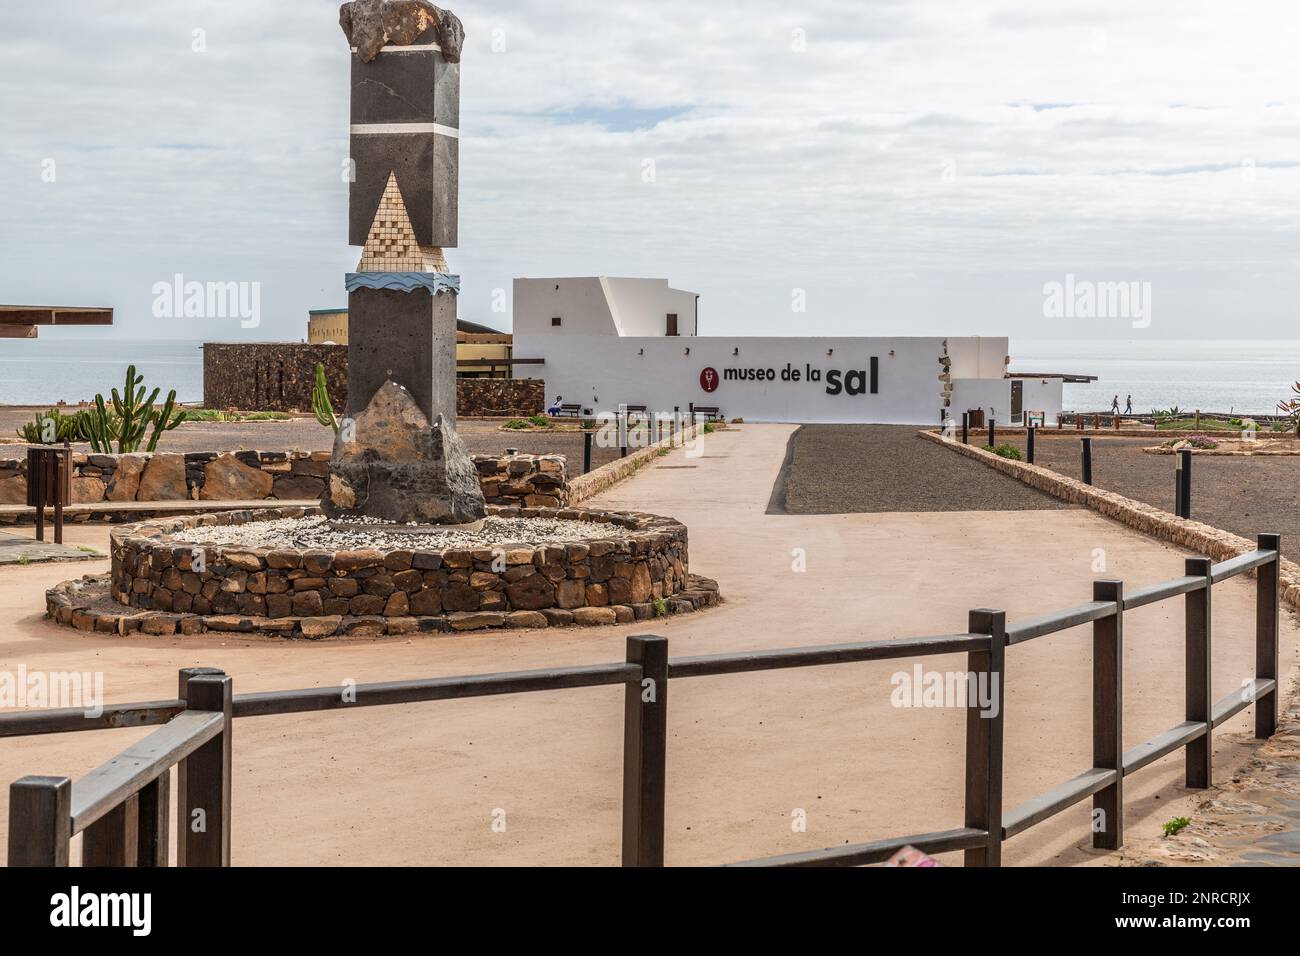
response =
{"points": [[121, 808]]}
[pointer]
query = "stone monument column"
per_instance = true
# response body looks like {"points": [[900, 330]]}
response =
{"points": [[396, 455]]}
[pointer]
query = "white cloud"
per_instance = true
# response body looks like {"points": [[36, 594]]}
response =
{"points": [[918, 166]]}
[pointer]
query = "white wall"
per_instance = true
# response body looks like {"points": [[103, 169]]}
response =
{"points": [[600, 372], [995, 395], [601, 305]]}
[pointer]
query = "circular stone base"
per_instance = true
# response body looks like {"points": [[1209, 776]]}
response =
{"points": [[289, 573], [87, 605]]}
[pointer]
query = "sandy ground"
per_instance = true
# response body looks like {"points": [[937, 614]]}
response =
{"points": [[420, 783]]}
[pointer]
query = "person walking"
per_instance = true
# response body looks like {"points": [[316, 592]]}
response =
{"points": [[1128, 406], [1114, 405]]}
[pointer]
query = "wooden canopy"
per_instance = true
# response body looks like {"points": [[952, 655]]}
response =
{"points": [[21, 321]]}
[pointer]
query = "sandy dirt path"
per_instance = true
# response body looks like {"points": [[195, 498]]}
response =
{"points": [[419, 783]]}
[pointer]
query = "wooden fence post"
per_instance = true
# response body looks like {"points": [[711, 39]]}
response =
{"points": [[1267, 589], [1200, 752], [183, 691], [40, 821], [984, 740], [113, 839], [645, 737], [205, 813], [154, 821], [1108, 716]]}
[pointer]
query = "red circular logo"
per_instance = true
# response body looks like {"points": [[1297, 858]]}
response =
{"points": [[709, 379]]}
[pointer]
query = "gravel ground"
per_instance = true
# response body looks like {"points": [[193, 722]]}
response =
{"points": [[835, 469], [480, 437], [318, 532], [1241, 495]]}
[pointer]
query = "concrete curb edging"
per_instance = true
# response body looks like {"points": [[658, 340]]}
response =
{"points": [[1195, 536]]}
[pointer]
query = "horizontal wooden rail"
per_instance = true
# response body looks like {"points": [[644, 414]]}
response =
{"points": [[1228, 707], [1140, 597], [1052, 802], [1240, 564], [822, 655], [1162, 744], [1045, 624], [436, 688], [114, 716], [109, 784], [877, 851]]}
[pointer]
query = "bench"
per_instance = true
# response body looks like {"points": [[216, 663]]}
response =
{"points": [[711, 413], [568, 411], [635, 409]]}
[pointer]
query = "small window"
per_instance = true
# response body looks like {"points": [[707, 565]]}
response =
{"points": [[672, 323], [555, 320]]}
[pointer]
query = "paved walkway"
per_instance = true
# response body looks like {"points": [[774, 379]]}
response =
{"points": [[24, 549], [420, 783]]}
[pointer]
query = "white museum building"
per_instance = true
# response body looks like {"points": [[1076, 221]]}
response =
{"points": [[604, 342]]}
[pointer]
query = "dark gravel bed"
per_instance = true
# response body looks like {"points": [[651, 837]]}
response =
{"points": [[1241, 495], [837, 469]]}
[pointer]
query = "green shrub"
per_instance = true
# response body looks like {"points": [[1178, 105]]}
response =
{"points": [[1004, 450], [516, 423], [1173, 826], [541, 421], [710, 427]]}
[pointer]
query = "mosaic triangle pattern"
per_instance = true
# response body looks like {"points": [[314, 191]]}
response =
{"points": [[391, 245]]}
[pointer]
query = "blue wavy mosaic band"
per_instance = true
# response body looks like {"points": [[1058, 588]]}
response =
{"points": [[435, 282]]}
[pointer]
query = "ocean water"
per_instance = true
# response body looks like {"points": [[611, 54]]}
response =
{"points": [[43, 371], [1243, 376]]}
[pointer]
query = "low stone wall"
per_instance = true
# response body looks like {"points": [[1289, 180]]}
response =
{"points": [[170, 476], [528, 481], [189, 588], [524, 480], [278, 376], [500, 397], [1194, 536], [271, 376]]}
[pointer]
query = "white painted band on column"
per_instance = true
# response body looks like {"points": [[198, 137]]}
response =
{"points": [[413, 48], [365, 128]]}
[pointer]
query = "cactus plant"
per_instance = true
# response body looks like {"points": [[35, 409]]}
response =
{"points": [[51, 427], [320, 401], [127, 416]]}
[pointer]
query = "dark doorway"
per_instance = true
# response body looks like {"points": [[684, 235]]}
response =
{"points": [[1017, 400], [672, 323]]}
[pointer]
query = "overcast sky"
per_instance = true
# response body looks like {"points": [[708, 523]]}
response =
{"points": [[912, 167]]}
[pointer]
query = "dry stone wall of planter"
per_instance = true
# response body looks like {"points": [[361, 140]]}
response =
{"points": [[160, 584]]}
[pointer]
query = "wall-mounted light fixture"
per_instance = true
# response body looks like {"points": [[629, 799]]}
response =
{"points": [[891, 353], [735, 351], [640, 351], [688, 351], [830, 351]]}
